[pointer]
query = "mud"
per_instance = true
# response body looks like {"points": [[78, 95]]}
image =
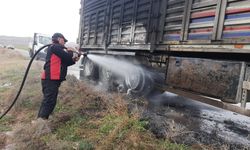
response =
{"points": [[193, 123]]}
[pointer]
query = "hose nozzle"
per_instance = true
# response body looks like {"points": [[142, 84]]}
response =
{"points": [[85, 54], [81, 53]]}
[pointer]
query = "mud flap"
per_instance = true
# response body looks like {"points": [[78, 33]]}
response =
{"points": [[214, 78]]}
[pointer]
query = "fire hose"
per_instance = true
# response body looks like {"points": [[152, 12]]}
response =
{"points": [[25, 76]]}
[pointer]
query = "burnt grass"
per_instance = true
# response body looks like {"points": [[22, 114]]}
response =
{"points": [[181, 124], [183, 129]]}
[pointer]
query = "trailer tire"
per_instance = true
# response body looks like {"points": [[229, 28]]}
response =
{"points": [[105, 78], [89, 70], [139, 83]]}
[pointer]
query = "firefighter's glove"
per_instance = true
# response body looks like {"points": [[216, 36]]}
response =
{"points": [[76, 56]]}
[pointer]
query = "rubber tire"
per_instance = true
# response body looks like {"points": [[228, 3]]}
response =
{"points": [[90, 70], [142, 86]]}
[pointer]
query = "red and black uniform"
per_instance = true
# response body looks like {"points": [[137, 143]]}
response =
{"points": [[55, 71], [57, 61]]}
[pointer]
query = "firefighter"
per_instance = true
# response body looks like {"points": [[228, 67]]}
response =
{"points": [[54, 72]]}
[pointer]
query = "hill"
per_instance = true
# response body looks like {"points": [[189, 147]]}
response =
{"points": [[19, 42]]}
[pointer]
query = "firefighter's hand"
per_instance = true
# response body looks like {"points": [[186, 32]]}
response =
{"points": [[76, 56], [76, 59]]}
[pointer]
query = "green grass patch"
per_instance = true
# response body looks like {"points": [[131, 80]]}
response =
{"points": [[139, 125], [109, 123], [5, 123], [64, 108], [13, 76], [59, 108], [167, 145], [69, 130], [3, 89], [27, 104], [85, 145], [123, 124]]}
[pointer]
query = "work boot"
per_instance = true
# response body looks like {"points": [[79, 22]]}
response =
{"points": [[39, 120]]}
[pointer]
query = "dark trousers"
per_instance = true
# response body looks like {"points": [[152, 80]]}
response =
{"points": [[50, 92]]}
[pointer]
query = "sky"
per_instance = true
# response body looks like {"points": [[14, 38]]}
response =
{"points": [[22, 18]]}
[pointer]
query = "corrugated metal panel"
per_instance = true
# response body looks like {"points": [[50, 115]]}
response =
{"points": [[120, 23], [142, 21], [116, 12], [237, 20], [202, 20], [173, 20], [94, 21], [203, 3], [129, 21]]}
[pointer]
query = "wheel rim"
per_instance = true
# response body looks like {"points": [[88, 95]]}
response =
{"points": [[136, 81], [88, 68]]}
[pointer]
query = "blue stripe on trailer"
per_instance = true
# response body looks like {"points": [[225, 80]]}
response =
{"points": [[236, 34], [172, 37], [236, 16], [207, 19], [199, 36]]}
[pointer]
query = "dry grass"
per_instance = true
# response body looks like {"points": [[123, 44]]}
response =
{"points": [[10, 60], [12, 68], [84, 117], [27, 136], [2, 140]]}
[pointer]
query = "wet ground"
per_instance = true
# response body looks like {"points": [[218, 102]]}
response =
{"points": [[190, 122]]}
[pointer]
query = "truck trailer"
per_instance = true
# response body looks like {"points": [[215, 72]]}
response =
{"points": [[200, 46]]}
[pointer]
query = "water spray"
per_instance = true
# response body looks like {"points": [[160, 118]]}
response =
{"points": [[137, 79]]}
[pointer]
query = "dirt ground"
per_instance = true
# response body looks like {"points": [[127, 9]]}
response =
{"points": [[190, 122], [89, 117]]}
